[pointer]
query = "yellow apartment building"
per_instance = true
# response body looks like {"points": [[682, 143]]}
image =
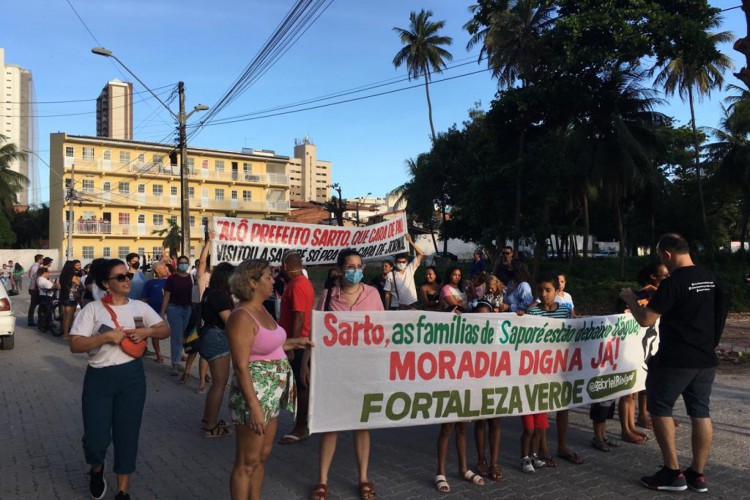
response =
{"points": [[125, 190]]}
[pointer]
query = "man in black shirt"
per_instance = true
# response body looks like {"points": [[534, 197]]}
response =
{"points": [[685, 363], [504, 268]]}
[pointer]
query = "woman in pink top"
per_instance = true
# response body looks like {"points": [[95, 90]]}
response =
{"points": [[349, 295], [263, 380]]}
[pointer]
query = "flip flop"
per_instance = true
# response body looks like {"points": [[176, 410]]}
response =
{"points": [[571, 457], [291, 439], [639, 440], [442, 484], [599, 445], [471, 477]]}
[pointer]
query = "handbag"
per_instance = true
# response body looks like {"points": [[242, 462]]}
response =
{"points": [[191, 339], [132, 349]]}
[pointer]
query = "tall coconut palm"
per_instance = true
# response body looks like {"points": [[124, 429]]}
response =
{"points": [[11, 182], [172, 235], [694, 78], [510, 34], [616, 145], [423, 52]]}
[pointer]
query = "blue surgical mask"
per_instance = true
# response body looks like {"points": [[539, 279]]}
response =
{"points": [[183, 267], [353, 276]]}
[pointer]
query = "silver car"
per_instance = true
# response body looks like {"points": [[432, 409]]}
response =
{"points": [[7, 321]]}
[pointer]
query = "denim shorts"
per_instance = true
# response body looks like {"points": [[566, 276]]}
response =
{"points": [[214, 343], [664, 384]]}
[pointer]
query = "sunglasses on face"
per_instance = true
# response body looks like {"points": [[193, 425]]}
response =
{"points": [[121, 278]]}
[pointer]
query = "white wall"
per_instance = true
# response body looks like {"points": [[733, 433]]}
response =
{"points": [[26, 256]]}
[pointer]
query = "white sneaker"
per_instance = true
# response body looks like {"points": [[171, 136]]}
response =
{"points": [[526, 465], [537, 462]]}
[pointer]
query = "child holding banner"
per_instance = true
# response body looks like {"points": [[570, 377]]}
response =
{"points": [[548, 288]]}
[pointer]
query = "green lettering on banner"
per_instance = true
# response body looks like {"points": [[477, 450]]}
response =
{"points": [[369, 405], [389, 411], [605, 385]]}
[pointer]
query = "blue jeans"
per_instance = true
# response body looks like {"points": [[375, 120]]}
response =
{"points": [[178, 318]]}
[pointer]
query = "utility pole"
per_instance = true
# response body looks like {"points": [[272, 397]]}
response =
{"points": [[184, 174], [71, 195]]}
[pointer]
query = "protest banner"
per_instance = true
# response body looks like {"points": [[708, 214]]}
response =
{"points": [[239, 239], [405, 368]]}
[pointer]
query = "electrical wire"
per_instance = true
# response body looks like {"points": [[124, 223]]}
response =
{"points": [[69, 101]]}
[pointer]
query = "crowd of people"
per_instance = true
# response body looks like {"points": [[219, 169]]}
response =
{"points": [[256, 322]]}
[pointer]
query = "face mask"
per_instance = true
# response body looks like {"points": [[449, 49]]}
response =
{"points": [[353, 276], [400, 266], [135, 265], [183, 267]]}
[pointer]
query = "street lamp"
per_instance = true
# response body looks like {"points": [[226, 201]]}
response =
{"points": [[181, 118]]}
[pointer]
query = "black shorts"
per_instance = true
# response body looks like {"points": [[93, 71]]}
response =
{"points": [[664, 384], [601, 412]]}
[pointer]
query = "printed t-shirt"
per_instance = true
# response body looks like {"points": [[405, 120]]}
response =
{"points": [[299, 296], [153, 292], [32, 276], [565, 299], [213, 302], [685, 301], [94, 315], [368, 300], [180, 289], [401, 285]]}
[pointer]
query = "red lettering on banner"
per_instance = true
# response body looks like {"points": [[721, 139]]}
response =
{"points": [[548, 361], [466, 367], [351, 334], [330, 323], [446, 361], [402, 369]]}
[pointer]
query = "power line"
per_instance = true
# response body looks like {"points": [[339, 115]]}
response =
{"points": [[69, 101], [84, 23], [250, 118]]}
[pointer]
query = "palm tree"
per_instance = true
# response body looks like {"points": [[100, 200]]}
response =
{"points": [[423, 53], [420, 207], [690, 78], [512, 42], [615, 145], [172, 235], [11, 182]]}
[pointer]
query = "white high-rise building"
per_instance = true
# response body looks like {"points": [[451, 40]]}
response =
{"points": [[114, 111], [16, 116]]}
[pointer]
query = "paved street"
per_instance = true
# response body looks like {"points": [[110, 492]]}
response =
{"points": [[41, 455]]}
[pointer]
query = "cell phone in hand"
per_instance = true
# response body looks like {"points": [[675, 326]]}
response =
{"points": [[138, 320], [104, 329]]}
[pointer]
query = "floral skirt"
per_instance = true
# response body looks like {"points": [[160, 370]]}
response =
{"points": [[274, 387]]}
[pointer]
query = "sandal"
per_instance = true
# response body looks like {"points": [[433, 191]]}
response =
{"points": [[200, 390], [549, 461], [483, 468], [611, 442], [442, 484], [496, 473], [319, 492], [366, 490], [159, 359], [472, 478], [184, 378], [638, 439], [599, 444], [204, 424], [217, 432], [571, 457]]}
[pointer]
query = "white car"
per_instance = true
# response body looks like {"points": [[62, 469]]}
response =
{"points": [[7, 321]]}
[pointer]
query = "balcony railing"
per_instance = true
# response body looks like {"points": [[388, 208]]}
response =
{"points": [[106, 228], [161, 169]]}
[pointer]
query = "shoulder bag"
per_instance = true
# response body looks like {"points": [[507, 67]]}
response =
{"points": [[132, 349]]}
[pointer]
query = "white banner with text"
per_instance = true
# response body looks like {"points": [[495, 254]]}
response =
{"points": [[239, 239], [405, 368]]}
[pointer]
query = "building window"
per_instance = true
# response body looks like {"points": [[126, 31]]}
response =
{"points": [[191, 192], [141, 219], [88, 252], [107, 155], [123, 187], [158, 160], [234, 195], [173, 218], [158, 220], [158, 190], [219, 165], [141, 158], [88, 185], [219, 195], [204, 164], [123, 218], [122, 252], [107, 187], [173, 190], [141, 188], [124, 157], [247, 196], [106, 252], [191, 163], [88, 153], [69, 151], [192, 221], [157, 251], [141, 251]]}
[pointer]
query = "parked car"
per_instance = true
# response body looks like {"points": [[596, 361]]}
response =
{"points": [[604, 254], [7, 321], [439, 258]]}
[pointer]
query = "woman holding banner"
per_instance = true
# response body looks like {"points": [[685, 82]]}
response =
{"points": [[263, 381], [349, 295]]}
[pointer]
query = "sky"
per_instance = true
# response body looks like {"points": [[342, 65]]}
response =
{"points": [[208, 44]]}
